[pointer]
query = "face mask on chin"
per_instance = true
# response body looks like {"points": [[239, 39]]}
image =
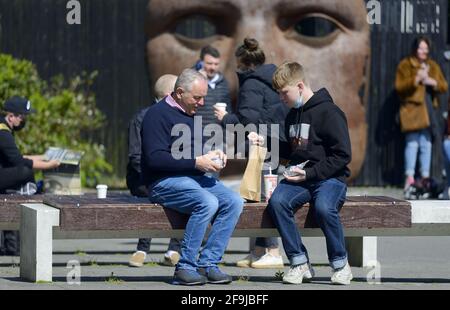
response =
{"points": [[21, 126], [299, 102]]}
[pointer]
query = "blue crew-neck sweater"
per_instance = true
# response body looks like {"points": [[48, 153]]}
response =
{"points": [[158, 161]]}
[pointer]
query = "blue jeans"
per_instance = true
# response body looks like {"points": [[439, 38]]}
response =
{"points": [[207, 201], [446, 147], [327, 198], [415, 141]]}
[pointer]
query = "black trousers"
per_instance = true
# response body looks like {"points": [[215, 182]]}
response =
{"points": [[13, 178], [10, 244]]}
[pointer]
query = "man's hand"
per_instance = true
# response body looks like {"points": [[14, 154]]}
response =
{"points": [[45, 165], [301, 177], [52, 164], [204, 163], [219, 114], [221, 155]]}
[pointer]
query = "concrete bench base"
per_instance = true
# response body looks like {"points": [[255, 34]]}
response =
{"points": [[36, 246]]}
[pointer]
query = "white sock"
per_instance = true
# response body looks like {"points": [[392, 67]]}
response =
{"points": [[145, 254], [169, 253]]}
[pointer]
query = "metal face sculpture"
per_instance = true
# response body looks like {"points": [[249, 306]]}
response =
{"points": [[329, 37]]}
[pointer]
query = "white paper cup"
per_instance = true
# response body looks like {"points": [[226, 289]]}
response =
{"points": [[221, 106], [101, 191], [270, 183]]}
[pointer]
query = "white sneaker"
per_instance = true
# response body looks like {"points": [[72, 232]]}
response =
{"points": [[309, 275], [137, 260], [343, 276], [268, 261], [298, 274], [171, 258], [445, 194], [247, 261]]}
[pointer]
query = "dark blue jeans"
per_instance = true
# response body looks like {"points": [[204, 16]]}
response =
{"points": [[327, 198]]}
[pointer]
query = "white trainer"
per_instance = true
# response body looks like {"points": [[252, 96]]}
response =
{"points": [[268, 261], [298, 274], [343, 276], [138, 259], [309, 275], [247, 261], [171, 258]]}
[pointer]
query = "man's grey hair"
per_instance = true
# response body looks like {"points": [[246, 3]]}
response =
{"points": [[187, 78]]}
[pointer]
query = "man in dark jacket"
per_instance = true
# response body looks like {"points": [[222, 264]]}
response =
{"points": [[218, 90], [318, 134], [16, 170], [164, 86]]}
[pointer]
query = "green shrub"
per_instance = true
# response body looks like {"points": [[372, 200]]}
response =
{"points": [[66, 116]]}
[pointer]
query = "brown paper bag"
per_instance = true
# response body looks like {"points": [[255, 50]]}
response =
{"points": [[251, 182]]}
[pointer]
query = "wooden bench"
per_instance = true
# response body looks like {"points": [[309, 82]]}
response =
{"points": [[83, 217], [123, 216]]}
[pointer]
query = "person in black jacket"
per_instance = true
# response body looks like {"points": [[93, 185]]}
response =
{"points": [[16, 170], [218, 89], [164, 86], [318, 136], [258, 103]]}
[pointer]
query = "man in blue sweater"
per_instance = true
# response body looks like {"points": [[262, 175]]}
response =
{"points": [[174, 173]]}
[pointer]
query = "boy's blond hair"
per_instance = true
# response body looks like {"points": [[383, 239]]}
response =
{"points": [[288, 74]]}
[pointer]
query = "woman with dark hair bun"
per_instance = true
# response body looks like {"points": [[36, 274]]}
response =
{"points": [[418, 82], [258, 103], [250, 55]]}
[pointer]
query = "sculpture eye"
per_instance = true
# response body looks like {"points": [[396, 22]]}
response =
{"points": [[315, 27], [195, 27]]}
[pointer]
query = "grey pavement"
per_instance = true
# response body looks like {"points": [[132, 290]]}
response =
{"points": [[406, 263]]}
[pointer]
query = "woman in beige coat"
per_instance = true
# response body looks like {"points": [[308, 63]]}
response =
{"points": [[418, 81]]}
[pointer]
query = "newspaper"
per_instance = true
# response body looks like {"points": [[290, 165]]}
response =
{"points": [[64, 156]]}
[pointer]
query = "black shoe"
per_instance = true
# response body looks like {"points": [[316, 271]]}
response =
{"points": [[188, 277], [4, 252], [215, 276]]}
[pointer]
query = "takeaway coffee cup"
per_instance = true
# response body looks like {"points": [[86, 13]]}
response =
{"points": [[270, 183], [101, 191], [221, 106]]}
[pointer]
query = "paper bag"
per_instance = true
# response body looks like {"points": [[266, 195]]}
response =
{"points": [[251, 182]]}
